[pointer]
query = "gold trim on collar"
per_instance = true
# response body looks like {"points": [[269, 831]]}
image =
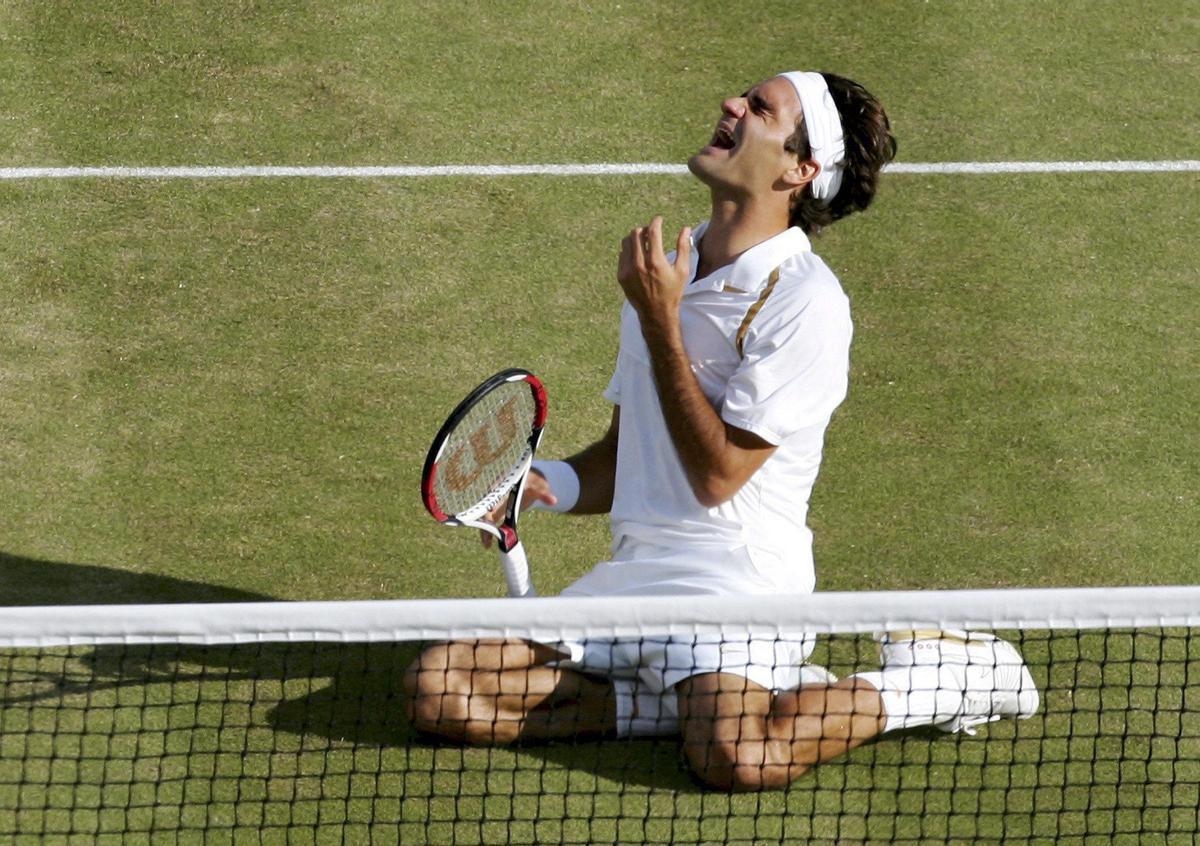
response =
{"points": [[754, 310]]}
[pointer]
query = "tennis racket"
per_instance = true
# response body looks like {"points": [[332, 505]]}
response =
{"points": [[481, 456]]}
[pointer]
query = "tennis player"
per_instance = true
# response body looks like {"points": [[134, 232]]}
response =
{"points": [[734, 353]]}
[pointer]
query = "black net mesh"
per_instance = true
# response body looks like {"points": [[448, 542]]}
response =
{"points": [[311, 743]]}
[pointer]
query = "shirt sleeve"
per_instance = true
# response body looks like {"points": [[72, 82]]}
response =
{"points": [[795, 364], [613, 392]]}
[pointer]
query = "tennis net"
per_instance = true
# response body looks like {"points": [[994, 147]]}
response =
{"points": [[288, 723]]}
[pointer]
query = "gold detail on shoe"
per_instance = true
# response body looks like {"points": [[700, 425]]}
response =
{"points": [[903, 635]]}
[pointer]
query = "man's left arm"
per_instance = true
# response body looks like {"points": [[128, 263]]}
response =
{"points": [[717, 458]]}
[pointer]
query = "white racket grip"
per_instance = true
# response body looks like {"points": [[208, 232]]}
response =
{"points": [[516, 571]]}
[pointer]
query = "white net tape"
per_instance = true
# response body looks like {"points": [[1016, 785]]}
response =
{"points": [[572, 617]]}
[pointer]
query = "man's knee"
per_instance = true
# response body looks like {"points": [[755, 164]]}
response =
{"points": [[732, 740], [436, 696], [452, 690]]}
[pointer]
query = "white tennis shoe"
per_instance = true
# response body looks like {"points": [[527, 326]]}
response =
{"points": [[997, 682]]}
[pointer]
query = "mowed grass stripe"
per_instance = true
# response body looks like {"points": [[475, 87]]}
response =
{"points": [[579, 169], [215, 385], [234, 382]]}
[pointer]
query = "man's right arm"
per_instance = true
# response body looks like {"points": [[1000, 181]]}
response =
{"points": [[596, 467]]}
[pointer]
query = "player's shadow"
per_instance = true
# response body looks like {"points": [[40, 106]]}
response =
{"points": [[85, 670], [651, 762], [342, 693], [32, 581], [363, 704]]}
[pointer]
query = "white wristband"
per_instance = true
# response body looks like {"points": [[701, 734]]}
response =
{"points": [[563, 482]]}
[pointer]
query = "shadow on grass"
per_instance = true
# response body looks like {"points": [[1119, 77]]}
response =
{"points": [[340, 693], [84, 670], [323, 702], [364, 705], [651, 762], [30, 581]]}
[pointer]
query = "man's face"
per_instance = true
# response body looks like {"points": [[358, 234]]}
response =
{"points": [[746, 154]]}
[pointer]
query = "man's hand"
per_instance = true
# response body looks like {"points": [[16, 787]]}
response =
{"points": [[537, 489], [718, 458], [654, 286]]}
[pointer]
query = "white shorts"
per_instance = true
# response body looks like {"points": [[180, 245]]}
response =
{"points": [[644, 672]]}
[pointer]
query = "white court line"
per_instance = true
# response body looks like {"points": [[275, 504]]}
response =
{"points": [[603, 169]]}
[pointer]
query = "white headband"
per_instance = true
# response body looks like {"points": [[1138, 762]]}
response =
{"points": [[824, 127]]}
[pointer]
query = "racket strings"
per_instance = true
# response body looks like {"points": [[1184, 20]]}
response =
{"points": [[498, 493], [487, 452]]}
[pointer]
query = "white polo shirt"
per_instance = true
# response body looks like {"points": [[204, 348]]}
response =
{"points": [[769, 341]]}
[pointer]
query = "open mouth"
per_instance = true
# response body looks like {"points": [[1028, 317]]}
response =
{"points": [[723, 137]]}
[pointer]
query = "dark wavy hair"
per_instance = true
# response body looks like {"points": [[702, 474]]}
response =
{"points": [[869, 146]]}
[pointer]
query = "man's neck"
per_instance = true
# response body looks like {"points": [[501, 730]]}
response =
{"points": [[736, 226]]}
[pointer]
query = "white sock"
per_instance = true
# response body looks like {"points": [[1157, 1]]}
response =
{"points": [[918, 696]]}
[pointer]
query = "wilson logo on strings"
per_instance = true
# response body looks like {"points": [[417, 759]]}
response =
{"points": [[487, 443]]}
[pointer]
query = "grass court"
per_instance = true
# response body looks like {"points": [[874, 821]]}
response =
{"points": [[222, 390]]}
